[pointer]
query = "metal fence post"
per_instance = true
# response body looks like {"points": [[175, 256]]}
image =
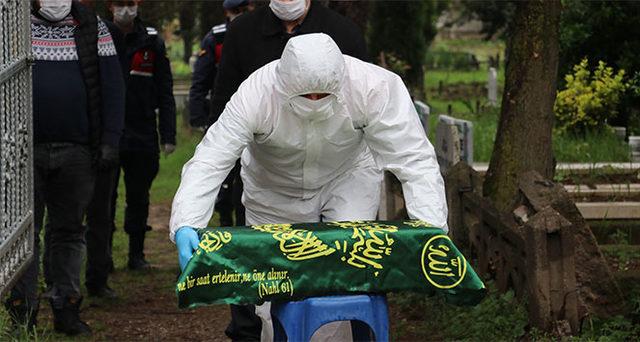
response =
{"points": [[16, 150]]}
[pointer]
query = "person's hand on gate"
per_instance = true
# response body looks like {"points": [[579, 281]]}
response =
{"points": [[187, 241]]}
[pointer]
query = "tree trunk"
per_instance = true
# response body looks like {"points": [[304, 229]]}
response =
{"points": [[358, 11], [187, 25], [210, 13], [523, 140]]}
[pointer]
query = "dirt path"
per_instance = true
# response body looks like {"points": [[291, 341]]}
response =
{"points": [[146, 309]]}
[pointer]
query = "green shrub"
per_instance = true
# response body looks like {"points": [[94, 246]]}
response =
{"points": [[633, 97], [589, 100], [451, 60]]}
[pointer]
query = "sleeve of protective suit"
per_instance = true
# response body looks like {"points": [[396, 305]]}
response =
{"points": [[214, 158], [399, 144]]}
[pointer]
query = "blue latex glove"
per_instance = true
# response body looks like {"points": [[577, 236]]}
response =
{"points": [[187, 241]]}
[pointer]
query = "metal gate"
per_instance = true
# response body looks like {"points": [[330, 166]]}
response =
{"points": [[16, 180]]}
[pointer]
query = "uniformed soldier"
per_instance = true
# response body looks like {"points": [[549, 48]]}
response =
{"points": [[204, 74], [150, 108]]}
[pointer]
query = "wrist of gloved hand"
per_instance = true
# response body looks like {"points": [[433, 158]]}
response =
{"points": [[187, 241], [109, 157]]}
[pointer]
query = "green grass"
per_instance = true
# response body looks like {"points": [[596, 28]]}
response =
{"points": [[175, 50], [168, 179], [450, 77], [481, 48], [592, 148]]}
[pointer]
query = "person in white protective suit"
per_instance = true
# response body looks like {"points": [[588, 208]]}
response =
{"points": [[314, 129]]}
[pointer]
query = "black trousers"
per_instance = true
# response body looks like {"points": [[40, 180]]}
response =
{"points": [[245, 325], [100, 226], [63, 185], [230, 199], [224, 203], [140, 168]]}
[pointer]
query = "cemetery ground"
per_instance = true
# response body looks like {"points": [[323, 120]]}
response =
{"points": [[147, 309]]}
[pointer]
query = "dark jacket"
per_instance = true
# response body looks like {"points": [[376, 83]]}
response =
{"points": [[77, 98], [258, 37], [204, 73], [149, 86]]}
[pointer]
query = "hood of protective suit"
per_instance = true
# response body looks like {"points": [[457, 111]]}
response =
{"points": [[310, 63]]}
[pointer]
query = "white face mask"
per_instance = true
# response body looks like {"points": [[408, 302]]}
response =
{"points": [[124, 15], [54, 10], [313, 109], [288, 10]]}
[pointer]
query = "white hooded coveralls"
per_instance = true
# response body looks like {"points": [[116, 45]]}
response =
{"points": [[305, 161], [295, 164]]}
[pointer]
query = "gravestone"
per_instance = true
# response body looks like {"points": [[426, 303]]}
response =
{"points": [[447, 145], [464, 136], [621, 132], [634, 146], [423, 113], [492, 87]]}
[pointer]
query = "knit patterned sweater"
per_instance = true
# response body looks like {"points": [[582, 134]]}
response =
{"points": [[59, 94]]}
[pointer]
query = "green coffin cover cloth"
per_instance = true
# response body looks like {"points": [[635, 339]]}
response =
{"points": [[282, 262]]}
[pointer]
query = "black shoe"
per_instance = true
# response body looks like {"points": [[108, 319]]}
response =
{"points": [[66, 317], [138, 263], [21, 314], [104, 292]]}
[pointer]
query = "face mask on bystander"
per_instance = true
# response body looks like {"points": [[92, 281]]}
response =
{"points": [[288, 10], [54, 10], [124, 15]]}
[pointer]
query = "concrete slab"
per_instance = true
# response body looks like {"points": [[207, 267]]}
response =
{"points": [[609, 210]]}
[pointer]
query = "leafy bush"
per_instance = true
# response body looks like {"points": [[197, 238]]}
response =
{"points": [[589, 100], [633, 104]]}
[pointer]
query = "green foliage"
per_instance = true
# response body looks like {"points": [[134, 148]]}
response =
{"points": [[20, 333], [449, 77], [609, 34], [180, 70], [632, 104], [590, 147], [617, 328], [623, 253], [394, 63], [499, 317], [588, 101], [404, 29], [451, 60], [495, 15]]}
